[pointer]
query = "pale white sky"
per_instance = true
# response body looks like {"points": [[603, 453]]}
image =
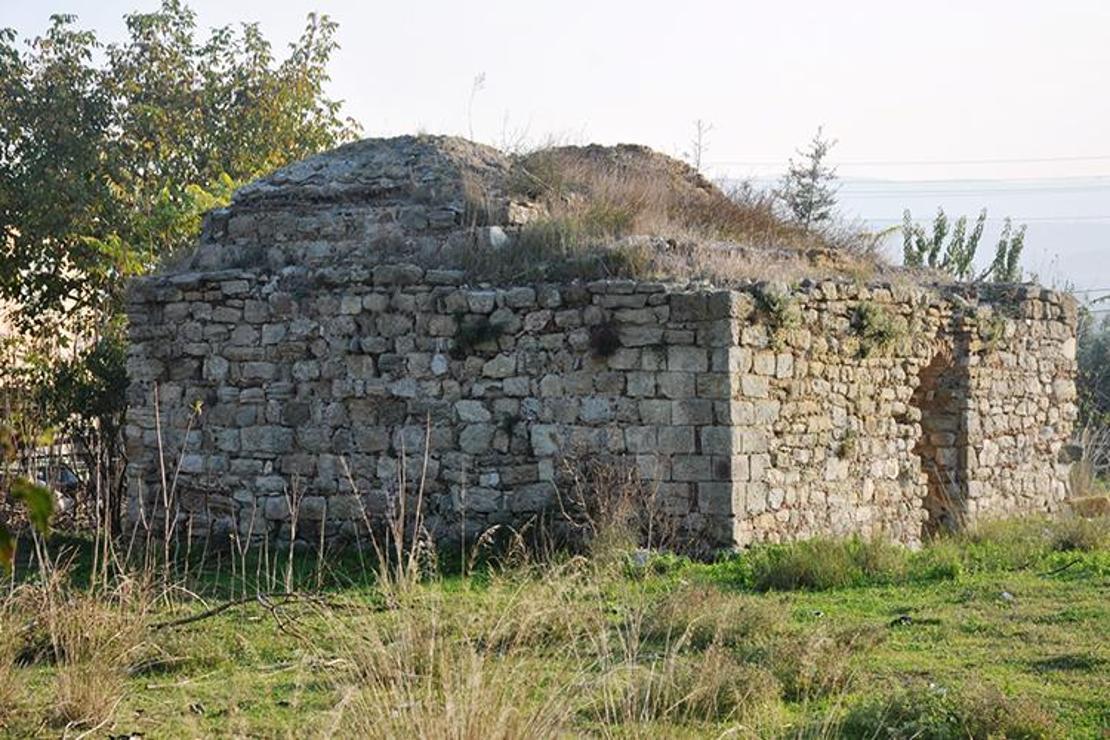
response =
{"points": [[920, 87]]}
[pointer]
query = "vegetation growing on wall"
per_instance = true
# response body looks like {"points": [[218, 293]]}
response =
{"points": [[878, 328], [473, 333], [604, 339], [779, 309], [956, 256], [627, 211]]}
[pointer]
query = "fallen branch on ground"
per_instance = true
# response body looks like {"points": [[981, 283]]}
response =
{"points": [[266, 601]]}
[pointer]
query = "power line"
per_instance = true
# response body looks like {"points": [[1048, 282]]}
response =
{"points": [[958, 180], [873, 181], [1015, 219], [978, 191], [927, 162]]}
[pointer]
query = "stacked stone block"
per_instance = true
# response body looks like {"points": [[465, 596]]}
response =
{"points": [[315, 354], [348, 386]]}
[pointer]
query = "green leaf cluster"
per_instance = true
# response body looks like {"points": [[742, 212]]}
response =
{"points": [[956, 256], [36, 499], [110, 154]]}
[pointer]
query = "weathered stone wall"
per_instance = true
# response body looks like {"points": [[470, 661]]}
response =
{"points": [[313, 345], [887, 409], [755, 414]]}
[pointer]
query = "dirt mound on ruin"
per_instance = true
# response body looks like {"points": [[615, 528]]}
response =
{"points": [[559, 213]]}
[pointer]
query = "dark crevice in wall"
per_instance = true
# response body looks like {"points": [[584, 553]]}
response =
{"points": [[941, 397]]}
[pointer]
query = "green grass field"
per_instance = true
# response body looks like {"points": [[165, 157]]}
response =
{"points": [[1001, 634]]}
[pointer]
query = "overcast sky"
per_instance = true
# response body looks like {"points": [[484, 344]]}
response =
{"points": [[911, 90]]}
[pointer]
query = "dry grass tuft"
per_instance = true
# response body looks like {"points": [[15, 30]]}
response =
{"points": [[98, 639], [628, 212], [433, 669], [711, 686], [549, 606], [1091, 506], [627, 189], [702, 616], [1080, 533], [463, 693], [11, 682], [815, 664], [929, 711], [93, 638]]}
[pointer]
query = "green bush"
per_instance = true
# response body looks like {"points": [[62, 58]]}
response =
{"points": [[821, 564], [700, 616], [814, 664], [932, 713], [879, 330]]}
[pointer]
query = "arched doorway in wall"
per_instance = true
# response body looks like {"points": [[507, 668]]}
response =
{"points": [[941, 397]]}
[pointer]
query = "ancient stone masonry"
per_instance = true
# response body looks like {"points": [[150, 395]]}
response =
{"points": [[296, 352]]}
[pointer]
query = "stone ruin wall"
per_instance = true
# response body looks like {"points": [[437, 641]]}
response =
{"points": [[749, 419]]}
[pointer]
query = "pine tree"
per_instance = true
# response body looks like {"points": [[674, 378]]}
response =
{"points": [[808, 189]]}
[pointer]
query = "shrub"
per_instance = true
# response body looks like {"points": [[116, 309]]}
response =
{"points": [[932, 713], [712, 686], [878, 329], [820, 564], [816, 664], [701, 616], [609, 509]]}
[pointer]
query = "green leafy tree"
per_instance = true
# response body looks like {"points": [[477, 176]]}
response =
{"points": [[106, 169], [110, 155], [808, 189], [951, 248], [21, 429], [1006, 266], [1093, 379]]}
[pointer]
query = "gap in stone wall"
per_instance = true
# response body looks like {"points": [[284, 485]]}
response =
{"points": [[939, 397]]}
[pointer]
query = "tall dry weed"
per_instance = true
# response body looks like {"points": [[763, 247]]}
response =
{"points": [[424, 671], [93, 638], [627, 212], [11, 679]]}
